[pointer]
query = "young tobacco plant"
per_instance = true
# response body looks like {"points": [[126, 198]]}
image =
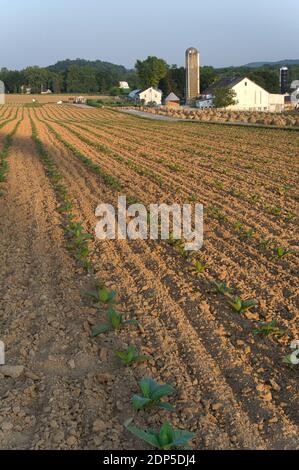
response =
{"points": [[222, 288], [131, 355], [216, 213], [281, 252], [174, 242], [274, 210], [115, 322], [289, 217], [166, 439], [240, 305], [78, 241], [269, 329], [152, 393], [102, 294], [247, 233], [199, 267], [266, 244]]}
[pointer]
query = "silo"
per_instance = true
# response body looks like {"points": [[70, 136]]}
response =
{"points": [[192, 74], [2, 93], [283, 80]]}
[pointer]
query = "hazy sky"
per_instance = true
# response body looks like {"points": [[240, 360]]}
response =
{"points": [[227, 32]]}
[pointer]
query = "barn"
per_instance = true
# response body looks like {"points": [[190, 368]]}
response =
{"points": [[249, 95], [172, 101]]}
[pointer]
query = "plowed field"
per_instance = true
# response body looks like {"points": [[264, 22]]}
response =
{"points": [[232, 388]]}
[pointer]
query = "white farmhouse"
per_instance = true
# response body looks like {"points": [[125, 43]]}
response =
{"points": [[249, 95], [124, 85], [149, 95], [2, 93]]}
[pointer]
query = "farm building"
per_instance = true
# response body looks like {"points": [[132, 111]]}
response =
{"points": [[295, 84], [26, 90], [206, 101], [292, 101], [149, 95], [80, 100], [192, 74], [249, 95], [124, 85], [172, 101], [2, 93]]}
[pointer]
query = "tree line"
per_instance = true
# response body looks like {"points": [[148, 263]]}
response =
{"points": [[83, 76]]}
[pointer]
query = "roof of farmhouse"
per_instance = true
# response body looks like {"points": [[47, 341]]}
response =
{"points": [[172, 97], [228, 82], [138, 91]]}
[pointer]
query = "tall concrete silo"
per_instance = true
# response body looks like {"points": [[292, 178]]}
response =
{"points": [[283, 80], [2, 93], [192, 74]]}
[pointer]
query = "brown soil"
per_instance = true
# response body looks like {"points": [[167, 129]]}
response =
{"points": [[232, 388]]}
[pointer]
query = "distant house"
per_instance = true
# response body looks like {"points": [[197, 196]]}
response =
{"points": [[25, 89], [124, 85], [2, 93], [172, 101], [249, 95], [147, 96], [206, 101], [80, 100]]}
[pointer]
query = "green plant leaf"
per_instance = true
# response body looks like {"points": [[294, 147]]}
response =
{"points": [[166, 435], [147, 436], [115, 318], [139, 402], [160, 391], [146, 385], [165, 406], [97, 330], [182, 437]]}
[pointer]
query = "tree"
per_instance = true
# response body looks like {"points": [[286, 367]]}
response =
{"points": [[81, 79], [114, 91], [224, 97], [36, 78], [57, 82], [267, 79], [174, 81], [132, 79], [13, 80], [178, 80], [151, 71], [165, 85], [208, 76]]}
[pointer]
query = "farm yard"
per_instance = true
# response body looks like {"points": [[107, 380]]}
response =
{"points": [[215, 326]]}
